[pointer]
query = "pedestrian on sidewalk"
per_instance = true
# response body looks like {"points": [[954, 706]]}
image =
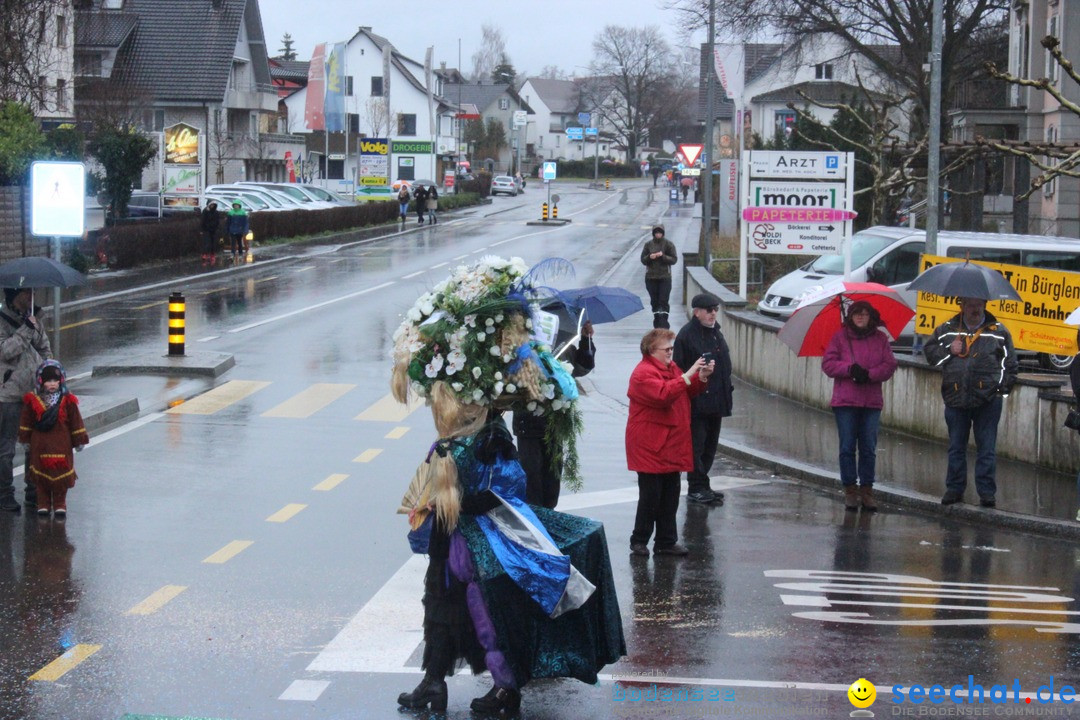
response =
{"points": [[701, 338], [23, 345], [658, 444], [52, 428], [432, 204], [858, 359], [978, 367], [403, 201], [210, 221], [237, 226], [658, 256], [421, 196]]}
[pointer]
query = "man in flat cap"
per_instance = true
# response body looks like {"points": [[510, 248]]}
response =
{"points": [[701, 337]]}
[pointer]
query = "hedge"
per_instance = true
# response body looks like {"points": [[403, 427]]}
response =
{"points": [[584, 169]]}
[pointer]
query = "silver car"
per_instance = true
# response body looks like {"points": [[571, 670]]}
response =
{"points": [[504, 184]]}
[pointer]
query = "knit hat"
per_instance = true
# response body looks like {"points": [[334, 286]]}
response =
{"points": [[50, 370]]}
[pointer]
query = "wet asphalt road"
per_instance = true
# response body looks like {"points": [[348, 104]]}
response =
{"points": [[239, 557]]}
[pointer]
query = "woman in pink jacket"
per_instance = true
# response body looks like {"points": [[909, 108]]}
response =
{"points": [[858, 359], [658, 445]]}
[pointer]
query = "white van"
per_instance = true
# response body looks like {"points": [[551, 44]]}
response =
{"points": [[890, 256]]}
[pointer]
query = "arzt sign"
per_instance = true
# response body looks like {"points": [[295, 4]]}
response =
{"points": [[797, 164]]}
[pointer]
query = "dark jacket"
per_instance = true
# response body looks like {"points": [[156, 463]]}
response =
{"points": [[236, 222], [659, 268], [420, 195], [693, 341], [986, 369], [1074, 377], [211, 218]]}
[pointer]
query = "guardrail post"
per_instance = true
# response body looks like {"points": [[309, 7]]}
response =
{"points": [[177, 311]]}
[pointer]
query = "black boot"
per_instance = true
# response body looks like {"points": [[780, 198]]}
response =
{"points": [[430, 690], [498, 701]]}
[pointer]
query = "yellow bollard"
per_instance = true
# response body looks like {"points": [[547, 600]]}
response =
{"points": [[177, 310], [554, 212], [607, 184], [544, 212]]}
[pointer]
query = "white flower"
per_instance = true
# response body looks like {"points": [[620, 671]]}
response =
{"points": [[489, 322], [418, 389], [477, 372], [557, 404], [499, 318], [511, 388], [568, 367], [528, 323], [490, 330], [495, 351], [458, 387], [548, 391], [433, 367], [427, 308], [470, 320], [477, 394], [531, 406], [507, 357], [481, 335], [498, 389], [498, 375], [414, 314]]}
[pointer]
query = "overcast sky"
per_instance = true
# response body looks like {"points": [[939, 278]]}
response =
{"points": [[537, 32]]}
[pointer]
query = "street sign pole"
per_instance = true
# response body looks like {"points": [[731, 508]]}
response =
{"points": [[55, 302], [596, 157]]}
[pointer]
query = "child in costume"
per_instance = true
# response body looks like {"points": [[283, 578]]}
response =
{"points": [[52, 426], [524, 592]]}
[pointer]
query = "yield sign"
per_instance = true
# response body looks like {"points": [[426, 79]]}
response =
{"points": [[690, 151]]}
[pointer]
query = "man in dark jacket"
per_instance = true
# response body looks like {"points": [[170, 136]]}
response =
{"points": [[978, 367], [701, 337], [543, 480], [210, 220], [420, 195], [658, 255]]}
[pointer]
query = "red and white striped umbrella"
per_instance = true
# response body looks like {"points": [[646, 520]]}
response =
{"points": [[821, 314]]}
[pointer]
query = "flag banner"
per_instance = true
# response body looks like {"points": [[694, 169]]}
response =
{"points": [[313, 107], [335, 89], [729, 60]]}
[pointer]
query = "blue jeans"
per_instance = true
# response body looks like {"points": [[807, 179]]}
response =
{"points": [[857, 428], [984, 421]]}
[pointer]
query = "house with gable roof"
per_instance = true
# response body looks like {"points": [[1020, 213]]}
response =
{"points": [[498, 102], [200, 63], [386, 96]]}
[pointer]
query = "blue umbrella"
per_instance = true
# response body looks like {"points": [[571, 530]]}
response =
{"points": [[601, 304]]}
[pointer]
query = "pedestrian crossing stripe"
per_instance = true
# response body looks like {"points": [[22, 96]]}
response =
{"points": [[66, 662], [307, 403], [219, 398], [387, 409]]}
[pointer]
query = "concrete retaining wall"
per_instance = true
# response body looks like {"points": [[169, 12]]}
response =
{"points": [[1031, 428]]}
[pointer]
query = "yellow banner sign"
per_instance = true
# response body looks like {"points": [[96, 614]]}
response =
{"points": [[1036, 320]]}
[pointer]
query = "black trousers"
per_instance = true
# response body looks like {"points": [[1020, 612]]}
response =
{"points": [[705, 434], [658, 503], [541, 484], [659, 291]]}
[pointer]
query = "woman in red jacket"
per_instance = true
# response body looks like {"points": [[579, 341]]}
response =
{"points": [[658, 445]]}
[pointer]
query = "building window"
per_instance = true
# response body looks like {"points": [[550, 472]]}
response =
{"points": [[61, 94], [348, 85], [43, 89], [88, 64], [354, 123], [1051, 64], [61, 31], [406, 124], [823, 71], [335, 170], [376, 87], [254, 125], [1051, 138], [785, 122], [43, 25], [504, 103]]}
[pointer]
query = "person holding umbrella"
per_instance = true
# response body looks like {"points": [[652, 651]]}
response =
{"points": [[859, 359], [978, 367], [23, 345]]}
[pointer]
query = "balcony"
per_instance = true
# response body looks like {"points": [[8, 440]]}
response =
{"points": [[251, 97]]}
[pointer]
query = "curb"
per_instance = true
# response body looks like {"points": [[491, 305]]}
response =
{"points": [[923, 503]]}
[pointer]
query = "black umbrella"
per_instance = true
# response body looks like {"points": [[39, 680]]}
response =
{"points": [[965, 279], [31, 272]]}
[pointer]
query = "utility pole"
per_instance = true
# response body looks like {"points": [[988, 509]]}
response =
{"points": [[705, 244], [933, 145]]}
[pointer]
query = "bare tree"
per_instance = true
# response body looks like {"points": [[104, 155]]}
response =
{"points": [[492, 51], [376, 113], [1052, 159], [34, 35], [633, 70], [893, 36], [553, 72]]}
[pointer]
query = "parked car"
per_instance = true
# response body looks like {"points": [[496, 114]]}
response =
{"points": [[273, 198], [144, 204], [291, 190], [504, 184]]}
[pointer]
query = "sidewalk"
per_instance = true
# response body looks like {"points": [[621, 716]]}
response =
{"points": [[791, 438]]}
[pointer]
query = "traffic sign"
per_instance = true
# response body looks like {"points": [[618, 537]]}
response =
{"points": [[592, 131], [584, 118], [798, 164], [690, 151], [574, 133], [520, 116], [549, 170]]}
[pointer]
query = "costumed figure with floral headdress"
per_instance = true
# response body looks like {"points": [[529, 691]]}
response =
{"points": [[523, 592], [52, 426]]}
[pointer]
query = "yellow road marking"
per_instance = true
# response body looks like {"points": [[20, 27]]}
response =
{"points": [[367, 455], [286, 512], [228, 552], [149, 305], [310, 401], [219, 398], [397, 433], [387, 409], [157, 600], [272, 277], [214, 290], [68, 661], [81, 322], [331, 482]]}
